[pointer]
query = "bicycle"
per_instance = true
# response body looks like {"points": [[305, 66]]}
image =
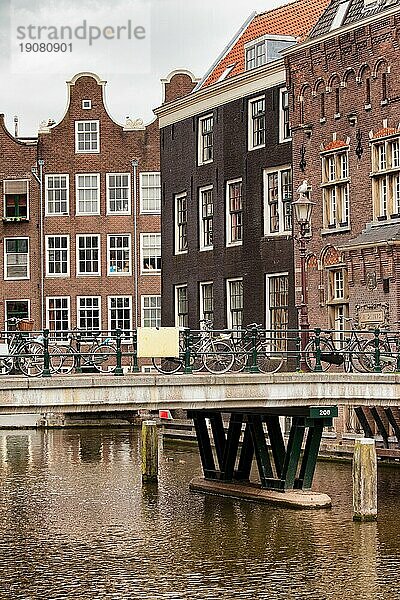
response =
{"points": [[21, 353], [351, 352], [207, 352], [388, 348], [269, 357], [87, 351]]}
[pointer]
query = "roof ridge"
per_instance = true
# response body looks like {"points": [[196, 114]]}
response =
{"points": [[271, 10]]}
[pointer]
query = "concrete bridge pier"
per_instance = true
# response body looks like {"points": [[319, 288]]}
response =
{"points": [[285, 471]]}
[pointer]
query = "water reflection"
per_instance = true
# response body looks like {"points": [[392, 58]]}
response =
{"points": [[76, 522]]}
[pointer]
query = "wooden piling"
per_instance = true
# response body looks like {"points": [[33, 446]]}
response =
{"points": [[149, 451], [364, 480]]}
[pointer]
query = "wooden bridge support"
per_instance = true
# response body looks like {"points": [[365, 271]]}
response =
{"points": [[227, 453]]}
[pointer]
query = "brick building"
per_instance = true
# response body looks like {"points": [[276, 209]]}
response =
{"points": [[344, 83], [227, 185], [81, 218]]}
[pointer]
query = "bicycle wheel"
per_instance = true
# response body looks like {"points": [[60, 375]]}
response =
{"points": [[104, 358], [310, 354], [387, 359], [62, 359], [268, 361], [31, 359], [218, 358], [167, 365]]}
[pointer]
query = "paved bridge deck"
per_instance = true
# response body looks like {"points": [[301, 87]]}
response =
{"points": [[69, 394]]}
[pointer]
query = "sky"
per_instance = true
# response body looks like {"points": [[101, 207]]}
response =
{"points": [[131, 44]]}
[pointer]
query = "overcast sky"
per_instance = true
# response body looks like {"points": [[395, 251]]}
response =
{"points": [[170, 34]]}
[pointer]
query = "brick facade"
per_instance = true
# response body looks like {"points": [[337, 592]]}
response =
{"points": [[345, 92]]}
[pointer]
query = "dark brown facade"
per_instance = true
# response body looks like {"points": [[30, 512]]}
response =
{"points": [[252, 258]]}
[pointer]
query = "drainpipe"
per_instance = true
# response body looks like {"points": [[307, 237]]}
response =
{"points": [[135, 164], [39, 179]]}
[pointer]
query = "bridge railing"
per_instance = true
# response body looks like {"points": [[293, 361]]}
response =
{"points": [[251, 349]]}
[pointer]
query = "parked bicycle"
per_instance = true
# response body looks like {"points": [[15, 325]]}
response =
{"points": [[388, 356], [21, 352], [339, 348], [209, 350], [260, 348], [87, 350]]}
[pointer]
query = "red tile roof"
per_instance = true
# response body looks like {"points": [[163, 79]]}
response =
{"points": [[295, 19], [335, 144]]}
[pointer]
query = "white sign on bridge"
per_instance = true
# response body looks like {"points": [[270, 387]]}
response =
{"points": [[157, 342]]}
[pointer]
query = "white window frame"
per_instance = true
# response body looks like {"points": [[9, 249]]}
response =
{"points": [[91, 151], [118, 273], [202, 285], [200, 140], [177, 237], [144, 271], [144, 308], [28, 275], [251, 122], [202, 245], [142, 176], [228, 214], [77, 250], [118, 212], [15, 300], [48, 298], [176, 297], [282, 137], [385, 177], [109, 309], [281, 204], [5, 181], [56, 214], [79, 309], [86, 104], [335, 184], [77, 188], [67, 249], [268, 324], [229, 320]]}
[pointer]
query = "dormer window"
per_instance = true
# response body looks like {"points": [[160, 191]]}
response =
{"points": [[15, 200], [86, 104], [266, 49]]}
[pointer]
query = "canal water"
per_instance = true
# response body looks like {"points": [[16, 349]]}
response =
{"points": [[76, 523]]}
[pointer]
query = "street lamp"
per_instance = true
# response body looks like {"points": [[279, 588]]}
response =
{"points": [[302, 209]]}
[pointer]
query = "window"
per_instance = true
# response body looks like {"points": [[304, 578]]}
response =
{"points": [[265, 49], [284, 117], [278, 201], [88, 313], [118, 193], [206, 125], [181, 242], [386, 178], [181, 306], [16, 258], [88, 255], [206, 302], [87, 136], [150, 192], [88, 194], [57, 254], [234, 212], [151, 311], [335, 189], [58, 314], [234, 303], [206, 206], [338, 300], [119, 254], [86, 104], [256, 133], [16, 309], [16, 200], [57, 194], [277, 287], [120, 313], [151, 252]]}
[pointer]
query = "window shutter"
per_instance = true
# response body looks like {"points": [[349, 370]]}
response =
{"points": [[15, 187]]}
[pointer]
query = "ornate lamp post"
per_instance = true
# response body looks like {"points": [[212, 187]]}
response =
{"points": [[302, 209]]}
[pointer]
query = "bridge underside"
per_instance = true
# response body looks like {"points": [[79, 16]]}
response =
{"points": [[227, 454]]}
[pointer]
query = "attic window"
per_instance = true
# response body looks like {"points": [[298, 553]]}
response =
{"points": [[340, 15], [86, 104], [266, 49], [226, 72]]}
